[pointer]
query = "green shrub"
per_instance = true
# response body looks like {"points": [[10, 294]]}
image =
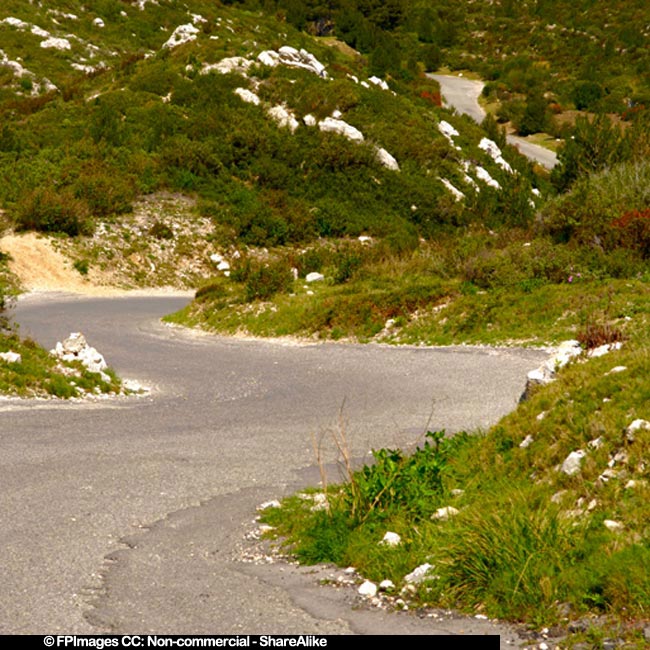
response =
{"points": [[49, 210]]}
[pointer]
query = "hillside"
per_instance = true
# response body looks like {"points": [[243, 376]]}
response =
{"points": [[293, 165]]}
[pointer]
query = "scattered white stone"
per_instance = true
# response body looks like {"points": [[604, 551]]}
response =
{"points": [[541, 416], [310, 120], [368, 589], [364, 239], [38, 31], [631, 484], [11, 357], [456, 492], [616, 369], [314, 277], [545, 374], [602, 350], [320, 502], [492, 149], [484, 175], [76, 348], [558, 496], [237, 64], [283, 117], [223, 266], [269, 57], [56, 43], [612, 525], [447, 130], [330, 125], [386, 159], [386, 585], [596, 443], [573, 462], [458, 195], [536, 192], [481, 617], [418, 574], [336, 114], [292, 57], [247, 96], [216, 258], [182, 34], [98, 22], [391, 539], [607, 475], [349, 571], [526, 442], [198, 18], [378, 82], [365, 84], [592, 505], [445, 513], [636, 425], [274, 503]]}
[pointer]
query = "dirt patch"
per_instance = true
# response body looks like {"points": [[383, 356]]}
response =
{"points": [[162, 245], [39, 267]]}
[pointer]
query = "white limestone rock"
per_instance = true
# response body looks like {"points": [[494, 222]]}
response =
{"points": [[492, 149], [419, 574], [283, 117], [457, 194], [11, 357], [330, 125], [368, 589], [445, 513], [526, 442], [573, 462], [98, 22], [614, 526], [314, 277], [378, 82], [386, 585], [636, 425], [237, 64], [182, 34], [391, 539], [56, 43], [386, 159], [247, 96], [447, 130], [484, 175], [269, 57]]}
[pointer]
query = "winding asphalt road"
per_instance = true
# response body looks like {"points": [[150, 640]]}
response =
{"points": [[128, 514], [462, 94]]}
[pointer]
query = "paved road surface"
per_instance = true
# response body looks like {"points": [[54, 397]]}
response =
{"points": [[125, 515], [462, 94]]}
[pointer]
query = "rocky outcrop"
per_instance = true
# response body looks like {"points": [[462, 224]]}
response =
{"points": [[294, 58], [76, 348]]}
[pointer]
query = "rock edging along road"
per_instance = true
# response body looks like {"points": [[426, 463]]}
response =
{"points": [[124, 515], [462, 94]]}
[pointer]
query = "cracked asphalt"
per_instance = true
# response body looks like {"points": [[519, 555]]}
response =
{"points": [[125, 514]]}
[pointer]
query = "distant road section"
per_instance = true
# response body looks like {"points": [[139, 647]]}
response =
{"points": [[462, 95]]}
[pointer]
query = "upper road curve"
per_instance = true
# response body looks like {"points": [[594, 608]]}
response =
{"points": [[462, 94]]}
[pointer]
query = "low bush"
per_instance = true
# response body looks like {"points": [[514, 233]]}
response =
{"points": [[55, 211]]}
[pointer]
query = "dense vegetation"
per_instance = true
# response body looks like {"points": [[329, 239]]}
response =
{"points": [[539, 56]]}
